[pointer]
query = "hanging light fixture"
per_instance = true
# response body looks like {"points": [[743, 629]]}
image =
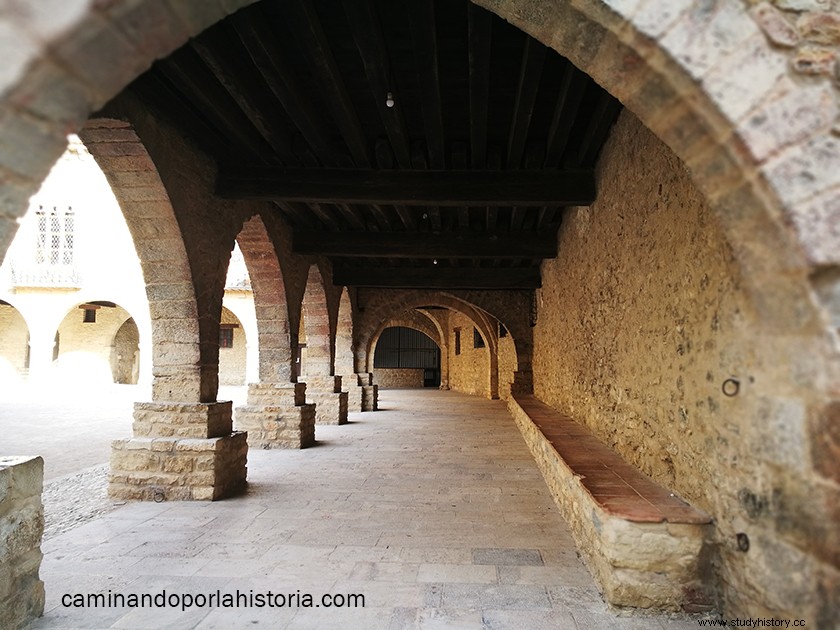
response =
{"points": [[389, 99]]}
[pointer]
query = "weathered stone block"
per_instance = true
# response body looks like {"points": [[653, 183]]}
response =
{"points": [[330, 407], [183, 469], [277, 426], [188, 420], [21, 529]]}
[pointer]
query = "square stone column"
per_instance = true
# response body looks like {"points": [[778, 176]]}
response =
{"points": [[330, 401], [277, 416], [21, 529], [369, 391], [180, 451]]}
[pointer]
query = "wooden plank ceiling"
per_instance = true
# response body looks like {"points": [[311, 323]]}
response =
{"points": [[415, 143]]}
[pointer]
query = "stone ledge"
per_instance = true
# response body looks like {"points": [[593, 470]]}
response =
{"points": [[640, 554]]}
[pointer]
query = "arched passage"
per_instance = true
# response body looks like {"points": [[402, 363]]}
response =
{"points": [[276, 364], [317, 356], [233, 344], [176, 355], [406, 356], [87, 351], [716, 105], [14, 344]]}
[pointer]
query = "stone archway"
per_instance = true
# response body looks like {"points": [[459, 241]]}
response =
{"points": [[323, 386], [14, 344], [701, 76]]}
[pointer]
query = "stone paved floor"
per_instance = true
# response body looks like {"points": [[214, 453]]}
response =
{"points": [[432, 509]]}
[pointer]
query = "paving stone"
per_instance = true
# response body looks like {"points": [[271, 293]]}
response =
{"points": [[510, 557], [351, 516]]}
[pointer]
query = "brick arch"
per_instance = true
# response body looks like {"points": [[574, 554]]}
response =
{"points": [[148, 212], [276, 363], [318, 360], [344, 336]]}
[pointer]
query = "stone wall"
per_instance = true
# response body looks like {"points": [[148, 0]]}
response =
{"points": [[469, 371], [396, 378], [232, 360], [21, 527], [642, 320], [95, 339], [507, 365]]}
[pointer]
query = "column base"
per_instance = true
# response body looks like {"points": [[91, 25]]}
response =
{"points": [[330, 407], [277, 416], [370, 397], [330, 401], [178, 469]]}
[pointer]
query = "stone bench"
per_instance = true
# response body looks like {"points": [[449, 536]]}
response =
{"points": [[642, 543]]}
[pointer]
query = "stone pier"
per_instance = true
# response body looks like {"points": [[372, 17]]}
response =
{"points": [[362, 394], [277, 416], [330, 401], [180, 451], [21, 528]]}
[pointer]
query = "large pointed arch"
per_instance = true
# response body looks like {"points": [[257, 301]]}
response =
{"points": [[145, 203], [317, 359], [276, 363]]}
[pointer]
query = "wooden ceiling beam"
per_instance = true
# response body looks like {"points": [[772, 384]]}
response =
{"points": [[277, 73], [599, 127], [479, 33], [411, 188], [385, 160], [533, 57], [370, 41], [421, 15], [351, 216], [418, 161], [154, 90], [569, 98], [424, 245], [237, 78], [186, 72], [438, 277], [307, 25]]}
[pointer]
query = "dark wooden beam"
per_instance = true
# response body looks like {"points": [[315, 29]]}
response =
{"points": [[421, 15], [187, 73], [370, 41], [533, 57], [494, 163], [418, 161], [438, 277], [603, 117], [480, 39], [237, 78], [534, 156], [156, 92], [424, 245], [305, 21], [571, 93], [411, 188], [385, 160], [351, 216], [278, 74]]}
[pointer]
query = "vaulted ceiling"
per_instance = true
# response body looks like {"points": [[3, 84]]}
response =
{"points": [[414, 143]]}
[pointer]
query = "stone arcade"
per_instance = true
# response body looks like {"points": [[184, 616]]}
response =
{"points": [[630, 215]]}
